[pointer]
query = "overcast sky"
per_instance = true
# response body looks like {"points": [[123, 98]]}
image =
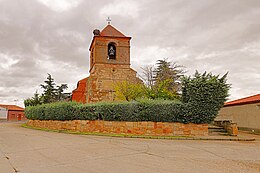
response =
{"points": [[53, 36]]}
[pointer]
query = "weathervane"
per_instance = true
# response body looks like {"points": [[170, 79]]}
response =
{"points": [[108, 20]]}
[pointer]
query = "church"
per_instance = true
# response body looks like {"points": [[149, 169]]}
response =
{"points": [[109, 65]]}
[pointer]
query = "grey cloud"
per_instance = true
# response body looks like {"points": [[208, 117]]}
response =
{"points": [[205, 35]]}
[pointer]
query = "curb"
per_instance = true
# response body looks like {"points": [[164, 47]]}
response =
{"points": [[227, 139]]}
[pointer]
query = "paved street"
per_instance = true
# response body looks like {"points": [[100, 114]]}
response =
{"points": [[33, 151]]}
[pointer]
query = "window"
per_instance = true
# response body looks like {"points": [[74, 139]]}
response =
{"points": [[111, 51]]}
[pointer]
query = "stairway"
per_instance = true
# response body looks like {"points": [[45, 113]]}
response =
{"points": [[217, 131]]}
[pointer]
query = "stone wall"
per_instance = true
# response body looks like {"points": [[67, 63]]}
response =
{"points": [[104, 77], [132, 128], [228, 125]]}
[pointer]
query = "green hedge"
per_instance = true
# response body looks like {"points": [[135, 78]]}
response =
{"points": [[202, 97], [149, 110], [156, 111]]}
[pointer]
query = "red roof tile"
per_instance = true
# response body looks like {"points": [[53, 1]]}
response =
{"points": [[110, 31], [246, 100], [12, 107]]}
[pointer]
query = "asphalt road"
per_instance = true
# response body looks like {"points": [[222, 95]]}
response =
{"points": [[33, 151]]}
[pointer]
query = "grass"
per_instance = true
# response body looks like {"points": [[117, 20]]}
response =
{"points": [[110, 134], [251, 132], [256, 133]]}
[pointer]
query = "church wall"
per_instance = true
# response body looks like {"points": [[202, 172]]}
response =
{"points": [[79, 94], [122, 51], [104, 78]]}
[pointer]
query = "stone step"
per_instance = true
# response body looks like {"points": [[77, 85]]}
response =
{"points": [[218, 134], [214, 127], [217, 130]]}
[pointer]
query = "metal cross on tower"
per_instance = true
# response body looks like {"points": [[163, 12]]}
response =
{"points": [[108, 20]]}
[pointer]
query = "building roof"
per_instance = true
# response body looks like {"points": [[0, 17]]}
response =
{"points": [[246, 100], [110, 31], [12, 107]]}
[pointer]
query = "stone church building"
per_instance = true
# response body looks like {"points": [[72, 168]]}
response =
{"points": [[109, 64]]}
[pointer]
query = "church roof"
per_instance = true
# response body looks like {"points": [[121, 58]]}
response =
{"points": [[246, 100], [110, 31]]}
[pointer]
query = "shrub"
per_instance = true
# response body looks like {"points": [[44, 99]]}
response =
{"points": [[204, 95], [52, 111], [145, 110]]}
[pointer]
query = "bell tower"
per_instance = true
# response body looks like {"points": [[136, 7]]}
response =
{"points": [[109, 64], [109, 46]]}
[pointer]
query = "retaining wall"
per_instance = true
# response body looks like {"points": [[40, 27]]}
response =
{"points": [[119, 127]]}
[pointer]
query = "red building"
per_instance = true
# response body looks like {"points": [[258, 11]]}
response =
{"points": [[12, 113]]}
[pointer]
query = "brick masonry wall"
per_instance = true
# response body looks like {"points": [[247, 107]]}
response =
{"points": [[118, 127]]}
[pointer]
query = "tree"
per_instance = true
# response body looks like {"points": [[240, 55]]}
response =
{"points": [[49, 93], [127, 91], [163, 80], [35, 100], [170, 71], [59, 92], [148, 73], [204, 94]]}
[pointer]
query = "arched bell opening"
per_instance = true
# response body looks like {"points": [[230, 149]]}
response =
{"points": [[111, 51]]}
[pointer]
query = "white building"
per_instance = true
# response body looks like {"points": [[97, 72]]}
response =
{"points": [[3, 113]]}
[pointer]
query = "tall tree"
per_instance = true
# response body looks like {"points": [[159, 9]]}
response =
{"points": [[59, 92], [163, 80], [49, 92], [170, 71], [35, 100], [148, 73]]}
